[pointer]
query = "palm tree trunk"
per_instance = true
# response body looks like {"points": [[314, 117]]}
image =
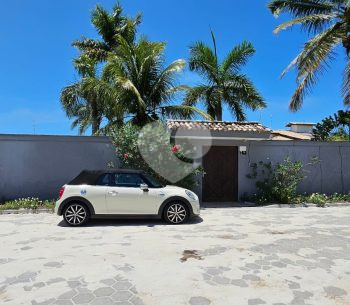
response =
{"points": [[95, 118], [218, 111]]}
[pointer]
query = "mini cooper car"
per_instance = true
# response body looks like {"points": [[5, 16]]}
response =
{"points": [[123, 193]]}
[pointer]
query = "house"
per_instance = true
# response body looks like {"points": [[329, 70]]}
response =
{"points": [[297, 131], [227, 150]]}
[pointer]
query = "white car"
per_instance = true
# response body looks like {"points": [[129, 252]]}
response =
{"points": [[125, 193]]}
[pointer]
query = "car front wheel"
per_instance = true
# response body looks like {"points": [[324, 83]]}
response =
{"points": [[76, 214], [176, 213]]}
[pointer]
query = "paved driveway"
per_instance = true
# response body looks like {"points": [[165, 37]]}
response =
{"points": [[232, 256]]}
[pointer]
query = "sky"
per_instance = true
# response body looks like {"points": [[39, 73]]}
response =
{"points": [[36, 56]]}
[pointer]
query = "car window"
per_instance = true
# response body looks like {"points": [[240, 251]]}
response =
{"points": [[127, 180], [153, 182], [103, 180]]}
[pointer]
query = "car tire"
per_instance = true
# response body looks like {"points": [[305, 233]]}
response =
{"points": [[176, 213], [76, 214]]}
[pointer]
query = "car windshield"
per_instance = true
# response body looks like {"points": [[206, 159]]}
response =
{"points": [[154, 181]]}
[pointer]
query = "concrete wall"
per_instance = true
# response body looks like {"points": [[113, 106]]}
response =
{"points": [[37, 166], [331, 174]]}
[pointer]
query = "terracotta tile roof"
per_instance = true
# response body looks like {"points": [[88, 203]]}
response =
{"points": [[290, 135], [216, 126]]}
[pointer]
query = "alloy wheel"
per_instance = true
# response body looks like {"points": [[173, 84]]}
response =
{"points": [[75, 214], [176, 213]]}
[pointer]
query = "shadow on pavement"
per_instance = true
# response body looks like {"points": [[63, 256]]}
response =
{"points": [[110, 222], [213, 205]]}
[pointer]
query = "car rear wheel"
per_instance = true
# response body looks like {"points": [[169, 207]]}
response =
{"points": [[176, 213], [76, 214]]}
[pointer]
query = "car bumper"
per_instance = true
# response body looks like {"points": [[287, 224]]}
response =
{"points": [[195, 208], [57, 205]]}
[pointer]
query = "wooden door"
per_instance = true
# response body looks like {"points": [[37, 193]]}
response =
{"points": [[220, 181]]}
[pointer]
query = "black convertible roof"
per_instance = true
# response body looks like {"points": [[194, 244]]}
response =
{"points": [[90, 177]]}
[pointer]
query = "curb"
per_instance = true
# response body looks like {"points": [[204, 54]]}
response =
{"points": [[26, 211]]}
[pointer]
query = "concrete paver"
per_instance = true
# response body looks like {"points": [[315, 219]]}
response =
{"points": [[235, 256]]}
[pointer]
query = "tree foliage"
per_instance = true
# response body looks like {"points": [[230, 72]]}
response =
{"points": [[109, 26], [224, 82], [146, 86], [86, 101], [334, 128], [329, 22]]}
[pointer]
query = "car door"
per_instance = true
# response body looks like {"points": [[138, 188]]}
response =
{"points": [[96, 194], [125, 196]]}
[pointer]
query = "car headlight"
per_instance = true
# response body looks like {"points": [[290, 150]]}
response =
{"points": [[191, 195]]}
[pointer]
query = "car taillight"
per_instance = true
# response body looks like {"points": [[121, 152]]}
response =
{"points": [[60, 193]]}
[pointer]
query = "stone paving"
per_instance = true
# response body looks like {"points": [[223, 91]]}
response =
{"points": [[235, 256]]}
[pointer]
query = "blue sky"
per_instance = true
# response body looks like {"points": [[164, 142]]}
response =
{"points": [[36, 55]]}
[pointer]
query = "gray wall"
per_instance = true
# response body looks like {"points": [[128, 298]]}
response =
{"points": [[331, 174], [37, 166]]}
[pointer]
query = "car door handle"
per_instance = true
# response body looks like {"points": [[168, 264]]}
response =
{"points": [[113, 193]]}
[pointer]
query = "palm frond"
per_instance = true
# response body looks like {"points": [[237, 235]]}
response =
{"points": [[184, 112], [301, 8], [165, 80], [316, 50], [238, 57], [311, 24], [240, 88], [346, 84], [104, 24], [128, 85], [94, 49], [203, 60], [196, 94], [235, 106]]}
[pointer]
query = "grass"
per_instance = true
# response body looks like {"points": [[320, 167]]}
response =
{"points": [[27, 203]]}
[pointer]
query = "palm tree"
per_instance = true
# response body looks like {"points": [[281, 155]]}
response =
{"points": [[109, 26], [224, 81], [145, 86], [87, 100], [329, 22]]}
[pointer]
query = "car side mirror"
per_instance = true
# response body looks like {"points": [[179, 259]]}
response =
{"points": [[144, 187]]}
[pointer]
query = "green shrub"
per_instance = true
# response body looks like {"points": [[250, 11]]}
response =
{"points": [[277, 183], [318, 199], [27, 203]]}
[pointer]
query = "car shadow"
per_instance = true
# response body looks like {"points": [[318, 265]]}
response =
{"points": [[114, 222]]}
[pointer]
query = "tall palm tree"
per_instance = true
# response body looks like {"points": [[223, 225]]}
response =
{"points": [[224, 81], [145, 86], [329, 22], [87, 100], [109, 26]]}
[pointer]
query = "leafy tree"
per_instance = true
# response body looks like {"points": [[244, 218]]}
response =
{"points": [[109, 26], [87, 100], [145, 86], [336, 128], [224, 82], [322, 130], [329, 22]]}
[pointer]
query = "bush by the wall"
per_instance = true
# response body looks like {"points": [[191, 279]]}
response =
{"points": [[27, 203], [277, 183]]}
